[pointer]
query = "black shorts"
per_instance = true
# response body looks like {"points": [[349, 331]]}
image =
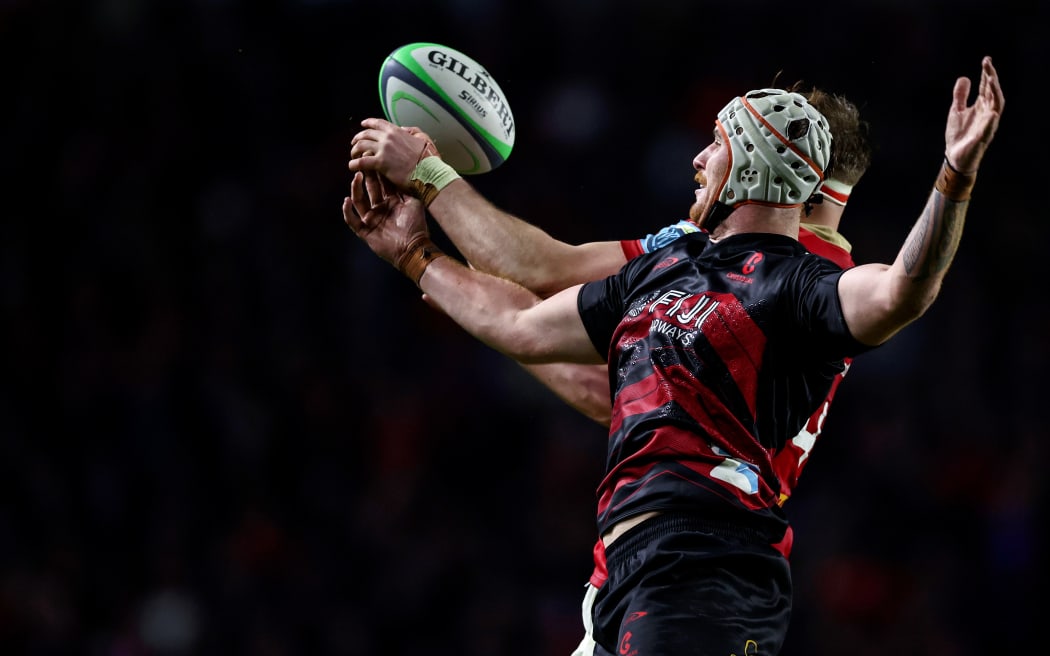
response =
{"points": [[680, 585]]}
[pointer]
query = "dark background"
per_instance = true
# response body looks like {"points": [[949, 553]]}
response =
{"points": [[227, 428]]}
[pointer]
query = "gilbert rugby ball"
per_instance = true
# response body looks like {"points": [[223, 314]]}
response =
{"points": [[453, 99]]}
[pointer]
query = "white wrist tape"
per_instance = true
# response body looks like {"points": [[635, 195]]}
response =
{"points": [[430, 176]]}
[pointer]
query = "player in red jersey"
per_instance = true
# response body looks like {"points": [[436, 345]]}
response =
{"points": [[704, 333]]}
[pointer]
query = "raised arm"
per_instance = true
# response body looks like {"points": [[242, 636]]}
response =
{"points": [[491, 239], [498, 312], [502, 244], [878, 300]]}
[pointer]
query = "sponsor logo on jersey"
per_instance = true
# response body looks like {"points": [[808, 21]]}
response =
{"points": [[746, 270]]}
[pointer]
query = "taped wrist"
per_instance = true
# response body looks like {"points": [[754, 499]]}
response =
{"points": [[429, 177], [954, 185], [417, 257]]}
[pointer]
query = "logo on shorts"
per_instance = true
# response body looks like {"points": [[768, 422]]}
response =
{"points": [[625, 648]]}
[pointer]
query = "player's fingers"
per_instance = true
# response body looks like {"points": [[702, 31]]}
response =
{"points": [[386, 189], [984, 86], [990, 81], [962, 92], [372, 136], [374, 187], [363, 163], [377, 124], [363, 147], [349, 218], [359, 202]]}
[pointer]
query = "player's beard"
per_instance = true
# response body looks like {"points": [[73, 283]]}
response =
{"points": [[698, 211], [700, 208], [702, 203]]}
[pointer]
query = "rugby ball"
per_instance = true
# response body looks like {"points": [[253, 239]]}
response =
{"points": [[453, 99]]}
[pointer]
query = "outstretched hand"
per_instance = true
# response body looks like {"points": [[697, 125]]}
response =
{"points": [[391, 224], [971, 128], [389, 150]]}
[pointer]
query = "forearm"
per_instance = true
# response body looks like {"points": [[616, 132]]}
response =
{"points": [[933, 241], [499, 243], [930, 248], [878, 301], [490, 239], [506, 316], [585, 388]]}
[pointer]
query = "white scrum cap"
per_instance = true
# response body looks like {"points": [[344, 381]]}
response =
{"points": [[779, 145]]}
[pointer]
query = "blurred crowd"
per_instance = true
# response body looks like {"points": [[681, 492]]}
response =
{"points": [[227, 428]]}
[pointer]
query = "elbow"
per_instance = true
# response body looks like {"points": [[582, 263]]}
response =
{"points": [[915, 300], [604, 417], [910, 310], [898, 311], [908, 298], [595, 404]]}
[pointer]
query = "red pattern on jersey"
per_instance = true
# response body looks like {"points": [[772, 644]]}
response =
{"points": [[737, 340], [698, 456], [739, 343], [792, 458]]}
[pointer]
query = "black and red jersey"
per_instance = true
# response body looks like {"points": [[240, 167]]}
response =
{"points": [[719, 353]]}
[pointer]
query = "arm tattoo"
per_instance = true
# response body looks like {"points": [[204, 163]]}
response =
{"points": [[935, 238]]}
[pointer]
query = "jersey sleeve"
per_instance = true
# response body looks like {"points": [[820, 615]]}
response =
{"points": [[602, 303], [819, 313]]}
